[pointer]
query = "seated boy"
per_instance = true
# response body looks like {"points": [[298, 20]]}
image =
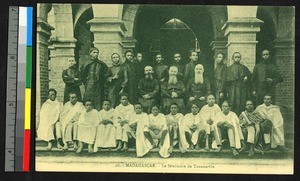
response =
{"points": [[159, 131], [125, 109], [192, 130], [106, 131], [173, 120], [87, 125]]}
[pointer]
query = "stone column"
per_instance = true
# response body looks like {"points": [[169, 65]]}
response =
{"points": [[61, 50], [241, 34], [42, 57], [284, 55], [108, 36], [219, 46]]}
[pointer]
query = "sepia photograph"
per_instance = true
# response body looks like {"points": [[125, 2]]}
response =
{"points": [[165, 88]]}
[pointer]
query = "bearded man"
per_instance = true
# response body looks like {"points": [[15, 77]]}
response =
{"points": [[148, 89], [173, 91], [198, 88]]}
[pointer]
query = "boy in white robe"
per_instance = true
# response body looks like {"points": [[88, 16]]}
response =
{"points": [[208, 113], [106, 131], [229, 122], [47, 128], [68, 120], [139, 121], [125, 109], [173, 120], [159, 131], [87, 125], [272, 112], [192, 130]]}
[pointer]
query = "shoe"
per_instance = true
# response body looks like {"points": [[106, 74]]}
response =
{"points": [[90, 148], [251, 152], [49, 147], [234, 152], [218, 149]]}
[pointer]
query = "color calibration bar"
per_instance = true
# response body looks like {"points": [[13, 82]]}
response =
{"points": [[22, 146]]}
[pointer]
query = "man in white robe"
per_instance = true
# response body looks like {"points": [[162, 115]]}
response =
{"points": [[208, 114], [173, 120], [87, 125], [47, 128], [272, 112], [125, 109], [228, 122], [106, 131], [68, 120], [159, 131], [192, 130]]}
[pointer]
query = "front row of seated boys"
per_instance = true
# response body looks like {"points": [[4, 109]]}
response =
{"points": [[79, 124]]}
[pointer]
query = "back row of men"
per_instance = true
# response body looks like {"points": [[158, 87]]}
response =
{"points": [[81, 124], [161, 84]]}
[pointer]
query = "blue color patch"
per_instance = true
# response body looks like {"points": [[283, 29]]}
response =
{"points": [[29, 26]]}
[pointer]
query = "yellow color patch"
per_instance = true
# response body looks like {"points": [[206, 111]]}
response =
{"points": [[27, 108]]}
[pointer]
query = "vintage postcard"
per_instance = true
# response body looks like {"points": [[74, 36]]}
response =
{"points": [[165, 88]]}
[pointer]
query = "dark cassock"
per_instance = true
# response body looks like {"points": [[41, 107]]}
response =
{"points": [[71, 78], [94, 74], [197, 90], [167, 90], [139, 69], [150, 87], [189, 70], [160, 71], [131, 86], [117, 79], [238, 88], [219, 82], [262, 84]]}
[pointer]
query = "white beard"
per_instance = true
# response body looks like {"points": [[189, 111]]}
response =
{"points": [[198, 78], [172, 79]]}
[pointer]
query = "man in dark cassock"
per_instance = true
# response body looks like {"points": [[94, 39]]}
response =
{"points": [[220, 78], [189, 71], [178, 63], [265, 78], [71, 78], [197, 88], [139, 66], [130, 70], [94, 73], [116, 80], [160, 69], [148, 90], [173, 91], [238, 82]]}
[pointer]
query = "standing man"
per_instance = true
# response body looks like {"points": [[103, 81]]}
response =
{"points": [[265, 77], [148, 90], [94, 74], [140, 65], [220, 78], [160, 69], [130, 70], [189, 71], [238, 81], [178, 63]]}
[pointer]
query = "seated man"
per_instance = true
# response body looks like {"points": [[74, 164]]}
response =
{"points": [[68, 120], [192, 130], [106, 131], [173, 90], [250, 121], [272, 112], [125, 109], [159, 131], [87, 125], [138, 129], [173, 119], [47, 129], [228, 122], [148, 90], [208, 114]]}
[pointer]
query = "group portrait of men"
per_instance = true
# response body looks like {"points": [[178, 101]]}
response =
{"points": [[135, 104]]}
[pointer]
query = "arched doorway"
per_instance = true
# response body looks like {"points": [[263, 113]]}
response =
{"points": [[151, 38]]}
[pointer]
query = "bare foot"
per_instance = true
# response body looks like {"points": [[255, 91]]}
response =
{"points": [[191, 147], [90, 148], [49, 147], [197, 147], [80, 147], [119, 146], [170, 150], [251, 152], [234, 152], [218, 149]]}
